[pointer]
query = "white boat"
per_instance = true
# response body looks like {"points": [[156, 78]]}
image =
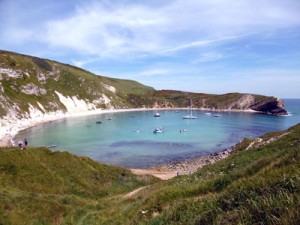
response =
{"points": [[190, 115], [207, 114], [157, 114], [158, 130], [217, 115]]}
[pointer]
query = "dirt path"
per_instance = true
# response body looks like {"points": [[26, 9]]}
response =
{"points": [[162, 174], [132, 193]]}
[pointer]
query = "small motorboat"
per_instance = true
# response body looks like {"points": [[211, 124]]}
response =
{"points": [[158, 130], [98, 122], [217, 115], [157, 114]]}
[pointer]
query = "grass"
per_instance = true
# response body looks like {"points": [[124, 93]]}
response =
{"points": [[260, 185], [38, 186]]}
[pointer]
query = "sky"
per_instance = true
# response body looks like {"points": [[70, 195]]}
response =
{"points": [[206, 46]]}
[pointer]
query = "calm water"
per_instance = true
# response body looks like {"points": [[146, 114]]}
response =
{"points": [[116, 140]]}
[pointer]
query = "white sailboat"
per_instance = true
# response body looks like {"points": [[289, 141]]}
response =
{"points": [[190, 115]]}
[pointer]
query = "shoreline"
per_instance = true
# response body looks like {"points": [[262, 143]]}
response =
{"points": [[185, 167], [9, 130]]}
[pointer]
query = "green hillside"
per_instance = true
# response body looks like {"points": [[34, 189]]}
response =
{"points": [[230, 101], [30, 83], [258, 184], [38, 186], [28, 80]]}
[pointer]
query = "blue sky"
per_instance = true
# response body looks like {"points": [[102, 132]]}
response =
{"points": [[207, 46]]}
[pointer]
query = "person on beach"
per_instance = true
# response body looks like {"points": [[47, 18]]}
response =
{"points": [[25, 142], [20, 144]]}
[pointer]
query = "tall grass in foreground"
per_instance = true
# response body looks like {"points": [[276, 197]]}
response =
{"points": [[39, 186]]}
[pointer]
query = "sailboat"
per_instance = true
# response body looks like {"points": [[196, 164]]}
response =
{"points": [[190, 115]]}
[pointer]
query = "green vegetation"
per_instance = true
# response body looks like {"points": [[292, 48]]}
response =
{"points": [[38, 186], [260, 185], [171, 98], [30, 80]]}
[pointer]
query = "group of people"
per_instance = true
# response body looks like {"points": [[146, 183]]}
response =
{"points": [[23, 144]]}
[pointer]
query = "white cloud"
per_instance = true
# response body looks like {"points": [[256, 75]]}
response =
{"points": [[152, 72], [136, 29], [107, 32], [195, 44]]}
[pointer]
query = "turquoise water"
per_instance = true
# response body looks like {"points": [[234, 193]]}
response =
{"points": [[127, 138]]}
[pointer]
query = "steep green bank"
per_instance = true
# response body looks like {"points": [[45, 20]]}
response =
{"points": [[258, 184], [38, 186]]}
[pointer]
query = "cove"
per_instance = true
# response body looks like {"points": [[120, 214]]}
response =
{"points": [[127, 139]]}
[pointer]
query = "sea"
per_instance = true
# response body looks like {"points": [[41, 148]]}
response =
{"points": [[127, 139]]}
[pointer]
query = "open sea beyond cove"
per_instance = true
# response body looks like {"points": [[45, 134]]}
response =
{"points": [[127, 138]]}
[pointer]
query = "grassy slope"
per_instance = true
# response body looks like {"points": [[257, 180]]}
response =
{"points": [[257, 186], [44, 187]]}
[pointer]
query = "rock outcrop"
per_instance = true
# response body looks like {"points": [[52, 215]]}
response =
{"points": [[271, 105]]}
